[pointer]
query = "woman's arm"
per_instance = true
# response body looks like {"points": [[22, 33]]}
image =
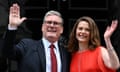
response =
{"points": [[109, 55]]}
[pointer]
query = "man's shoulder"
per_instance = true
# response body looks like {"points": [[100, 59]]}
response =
{"points": [[30, 40]]}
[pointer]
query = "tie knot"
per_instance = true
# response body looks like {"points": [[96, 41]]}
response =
{"points": [[52, 46]]}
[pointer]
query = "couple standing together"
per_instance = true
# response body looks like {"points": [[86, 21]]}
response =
{"points": [[83, 53]]}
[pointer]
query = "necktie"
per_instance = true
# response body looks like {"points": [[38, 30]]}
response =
{"points": [[53, 59]]}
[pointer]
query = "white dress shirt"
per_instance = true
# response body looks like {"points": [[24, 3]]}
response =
{"points": [[47, 54]]}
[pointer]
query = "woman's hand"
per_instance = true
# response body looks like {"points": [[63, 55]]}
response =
{"points": [[110, 29]]}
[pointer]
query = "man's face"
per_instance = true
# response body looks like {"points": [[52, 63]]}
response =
{"points": [[52, 28]]}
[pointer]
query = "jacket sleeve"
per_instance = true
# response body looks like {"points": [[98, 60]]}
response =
{"points": [[9, 44]]}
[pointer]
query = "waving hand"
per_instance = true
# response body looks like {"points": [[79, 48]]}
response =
{"points": [[110, 29], [14, 17]]}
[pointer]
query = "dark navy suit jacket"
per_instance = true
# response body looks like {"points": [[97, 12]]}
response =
{"points": [[30, 54]]}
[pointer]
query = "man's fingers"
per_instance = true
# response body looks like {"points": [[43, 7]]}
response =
{"points": [[22, 19], [14, 10]]}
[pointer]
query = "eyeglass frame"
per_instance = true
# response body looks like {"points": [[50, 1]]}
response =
{"points": [[53, 22]]}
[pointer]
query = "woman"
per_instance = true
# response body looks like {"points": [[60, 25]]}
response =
{"points": [[87, 53]]}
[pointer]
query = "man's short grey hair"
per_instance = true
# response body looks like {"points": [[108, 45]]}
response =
{"points": [[53, 12]]}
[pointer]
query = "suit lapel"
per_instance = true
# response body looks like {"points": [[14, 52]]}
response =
{"points": [[62, 56], [41, 53]]}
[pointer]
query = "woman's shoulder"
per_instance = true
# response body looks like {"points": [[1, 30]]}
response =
{"points": [[101, 48]]}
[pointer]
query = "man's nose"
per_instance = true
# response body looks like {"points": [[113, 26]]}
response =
{"points": [[52, 24]]}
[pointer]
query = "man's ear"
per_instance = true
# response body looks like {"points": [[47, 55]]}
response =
{"points": [[61, 31], [42, 28]]}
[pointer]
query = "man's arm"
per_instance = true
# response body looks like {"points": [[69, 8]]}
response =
{"points": [[14, 21]]}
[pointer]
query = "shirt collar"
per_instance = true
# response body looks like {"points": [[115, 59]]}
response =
{"points": [[47, 43]]}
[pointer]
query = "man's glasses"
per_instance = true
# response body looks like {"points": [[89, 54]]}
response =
{"points": [[53, 22]]}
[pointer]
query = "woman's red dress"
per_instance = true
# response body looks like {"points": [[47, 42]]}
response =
{"points": [[88, 61]]}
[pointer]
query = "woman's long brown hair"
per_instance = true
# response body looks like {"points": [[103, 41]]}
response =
{"points": [[94, 40]]}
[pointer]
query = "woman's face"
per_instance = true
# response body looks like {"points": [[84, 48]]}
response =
{"points": [[83, 32]]}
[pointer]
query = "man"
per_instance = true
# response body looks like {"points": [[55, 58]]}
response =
{"points": [[34, 56]]}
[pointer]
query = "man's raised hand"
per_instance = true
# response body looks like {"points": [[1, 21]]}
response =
{"points": [[14, 17]]}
